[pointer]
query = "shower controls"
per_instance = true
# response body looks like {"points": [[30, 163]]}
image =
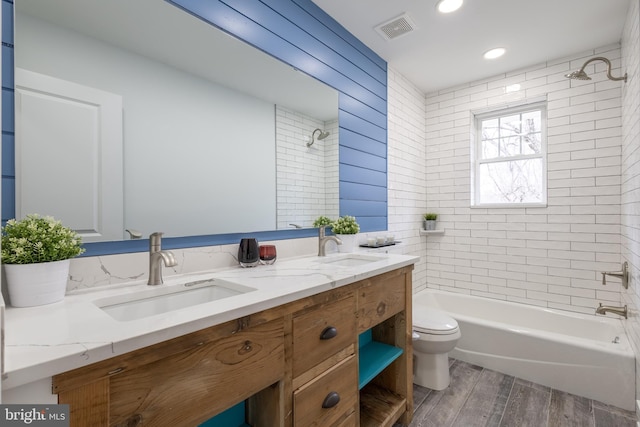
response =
{"points": [[622, 275]]}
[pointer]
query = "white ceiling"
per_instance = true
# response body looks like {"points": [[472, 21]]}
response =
{"points": [[446, 50]]}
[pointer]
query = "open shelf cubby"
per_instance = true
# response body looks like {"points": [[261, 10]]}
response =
{"points": [[380, 407], [374, 357], [232, 417]]}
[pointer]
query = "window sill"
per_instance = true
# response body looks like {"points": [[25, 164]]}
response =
{"points": [[509, 205]]}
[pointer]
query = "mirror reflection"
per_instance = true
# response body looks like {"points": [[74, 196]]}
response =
{"points": [[137, 116]]}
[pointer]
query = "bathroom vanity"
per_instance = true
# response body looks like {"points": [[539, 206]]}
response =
{"points": [[318, 343]]}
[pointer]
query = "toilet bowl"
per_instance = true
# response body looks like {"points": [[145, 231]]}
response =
{"points": [[435, 334]]}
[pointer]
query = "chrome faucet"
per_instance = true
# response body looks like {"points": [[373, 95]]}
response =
{"points": [[157, 257], [622, 275], [323, 239], [620, 311]]}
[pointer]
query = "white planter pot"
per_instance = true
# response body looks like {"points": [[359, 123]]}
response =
{"points": [[37, 284], [349, 242], [429, 224]]}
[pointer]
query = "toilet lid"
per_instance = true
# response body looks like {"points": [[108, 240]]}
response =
{"points": [[432, 321]]}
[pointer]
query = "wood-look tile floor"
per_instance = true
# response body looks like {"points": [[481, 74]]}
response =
{"points": [[482, 397]]}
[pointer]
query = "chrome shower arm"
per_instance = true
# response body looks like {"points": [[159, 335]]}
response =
{"points": [[581, 75]]}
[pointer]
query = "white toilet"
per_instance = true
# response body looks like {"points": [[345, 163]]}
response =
{"points": [[435, 334]]}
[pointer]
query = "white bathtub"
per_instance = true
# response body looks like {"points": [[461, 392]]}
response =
{"points": [[566, 351]]}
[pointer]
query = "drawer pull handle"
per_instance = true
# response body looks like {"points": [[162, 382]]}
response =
{"points": [[331, 400], [328, 333]]}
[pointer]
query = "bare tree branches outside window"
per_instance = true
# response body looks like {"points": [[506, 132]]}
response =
{"points": [[510, 164]]}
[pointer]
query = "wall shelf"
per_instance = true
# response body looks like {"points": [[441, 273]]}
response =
{"points": [[424, 232]]}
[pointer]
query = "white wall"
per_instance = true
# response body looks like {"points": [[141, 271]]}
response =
{"points": [[630, 188], [552, 256]]}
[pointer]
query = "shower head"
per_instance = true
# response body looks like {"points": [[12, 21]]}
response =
{"points": [[581, 75], [321, 136], [578, 75]]}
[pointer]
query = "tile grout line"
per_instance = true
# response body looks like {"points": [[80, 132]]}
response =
{"points": [[505, 404], [467, 398], [549, 405]]}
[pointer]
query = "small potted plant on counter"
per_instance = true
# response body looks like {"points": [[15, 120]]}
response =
{"points": [[346, 228], [430, 220], [36, 253]]}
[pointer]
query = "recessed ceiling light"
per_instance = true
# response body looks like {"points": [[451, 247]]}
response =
{"points": [[494, 53], [448, 6]]}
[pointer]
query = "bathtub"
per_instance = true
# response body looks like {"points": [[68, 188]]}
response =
{"points": [[567, 351]]}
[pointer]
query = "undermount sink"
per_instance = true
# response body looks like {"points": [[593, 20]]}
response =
{"points": [[169, 298], [348, 260]]}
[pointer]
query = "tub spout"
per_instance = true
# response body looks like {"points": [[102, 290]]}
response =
{"points": [[620, 311]]}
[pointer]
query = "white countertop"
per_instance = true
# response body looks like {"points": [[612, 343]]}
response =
{"points": [[47, 340]]}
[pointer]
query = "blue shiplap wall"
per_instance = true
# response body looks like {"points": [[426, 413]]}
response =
{"points": [[302, 35]]}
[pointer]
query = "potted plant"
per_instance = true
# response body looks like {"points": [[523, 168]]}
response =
{"points": [[430, 220], [35, 253], [322, 220], [346, 228]]}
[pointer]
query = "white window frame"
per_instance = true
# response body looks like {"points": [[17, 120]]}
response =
{"points": [[477, 149]]}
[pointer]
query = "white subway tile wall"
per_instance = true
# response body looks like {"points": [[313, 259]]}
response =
{"points": [[550, 256], [307, 177], [630, 186], [406, 169]]}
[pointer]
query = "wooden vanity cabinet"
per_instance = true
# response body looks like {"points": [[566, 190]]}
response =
{"points": [[324, 364], [384, 306], [294, 365], [184, 381]]}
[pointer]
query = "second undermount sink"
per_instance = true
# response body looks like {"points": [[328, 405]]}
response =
{"points": [[164, 299], [348, 260]]}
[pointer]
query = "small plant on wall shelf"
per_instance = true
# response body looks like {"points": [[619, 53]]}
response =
{"points": [[430, 219]]}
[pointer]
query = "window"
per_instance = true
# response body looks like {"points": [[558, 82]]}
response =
{"points": [[510, 157]]}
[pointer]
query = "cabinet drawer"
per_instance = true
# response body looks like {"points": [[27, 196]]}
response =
{"points": [[383, 298], [189, 387], [308, 400], [309, 347]]}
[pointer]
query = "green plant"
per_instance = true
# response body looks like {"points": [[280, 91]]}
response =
{"points": [[322, 220], [431, 216], [345, 225], [36, 239]]}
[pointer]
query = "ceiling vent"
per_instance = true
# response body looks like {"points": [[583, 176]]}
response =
{"points": [[396, 27]]}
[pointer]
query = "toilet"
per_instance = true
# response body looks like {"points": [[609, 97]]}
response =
{"points": [[434, 334]]}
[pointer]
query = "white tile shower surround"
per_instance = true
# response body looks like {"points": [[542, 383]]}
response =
{"points": [[630, 186], [550, 256], [307, 177]]}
